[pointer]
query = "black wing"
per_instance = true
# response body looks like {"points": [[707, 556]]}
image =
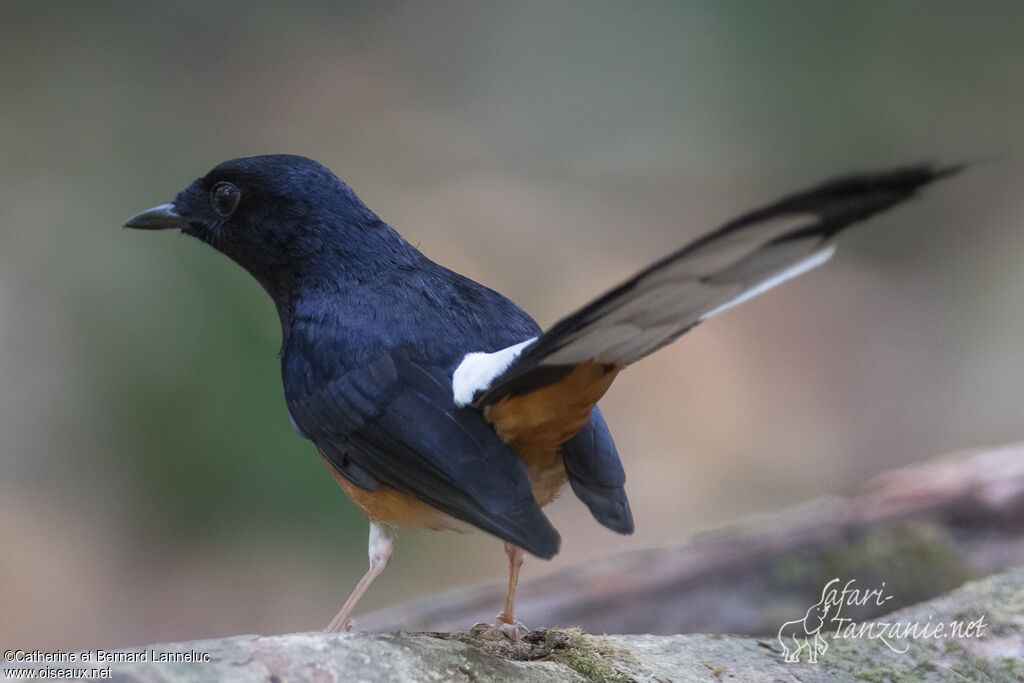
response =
{"points": [[393, 421]]}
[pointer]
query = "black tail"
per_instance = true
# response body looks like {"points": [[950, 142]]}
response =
{"points": [[740, 260]]}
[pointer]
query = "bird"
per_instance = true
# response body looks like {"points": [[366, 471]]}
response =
{"points": [[438, 403]]}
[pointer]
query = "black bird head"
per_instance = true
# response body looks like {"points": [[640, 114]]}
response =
{"points": [[286, 219]]}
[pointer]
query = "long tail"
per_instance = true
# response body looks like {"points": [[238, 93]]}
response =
{"points": [[722, 269]]}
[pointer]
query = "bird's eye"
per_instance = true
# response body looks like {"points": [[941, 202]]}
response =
{"points": [[225, 197]]}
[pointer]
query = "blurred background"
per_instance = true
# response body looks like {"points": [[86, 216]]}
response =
{"points": [[151, 487]]}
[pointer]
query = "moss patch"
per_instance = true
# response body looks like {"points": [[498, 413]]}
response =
{"points": [[591, 656]]}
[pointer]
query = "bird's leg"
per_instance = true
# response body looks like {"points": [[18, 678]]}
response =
{"points": [[382, 542], [507, 617]]}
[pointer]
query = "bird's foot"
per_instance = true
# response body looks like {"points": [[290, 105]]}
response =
{"points": [[339, 626], [503, 629], [510, 627]]}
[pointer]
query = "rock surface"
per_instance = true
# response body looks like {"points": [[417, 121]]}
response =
{"points": [[990, 612]]}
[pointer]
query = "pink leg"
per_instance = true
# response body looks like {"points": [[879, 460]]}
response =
{"points": [[382, 542], [515, 561]]}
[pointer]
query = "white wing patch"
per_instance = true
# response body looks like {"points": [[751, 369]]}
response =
{"points": [[477, 370]]}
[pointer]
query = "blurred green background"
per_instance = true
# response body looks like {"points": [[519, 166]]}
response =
{"points": [[151, 487]]}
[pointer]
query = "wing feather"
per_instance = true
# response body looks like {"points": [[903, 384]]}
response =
{"points": [[394, 422]]}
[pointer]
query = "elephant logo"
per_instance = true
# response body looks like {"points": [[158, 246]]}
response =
{"points": [[804, 635]]}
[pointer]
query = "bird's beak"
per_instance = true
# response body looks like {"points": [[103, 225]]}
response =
{"points": [[158, 218]]}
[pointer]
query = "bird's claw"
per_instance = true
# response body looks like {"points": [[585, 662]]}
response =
{"points": [[511, 628], [344, 627]]}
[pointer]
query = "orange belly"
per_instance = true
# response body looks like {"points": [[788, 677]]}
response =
{"points": [[535, 425], [390, 506], [393, 507]]}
